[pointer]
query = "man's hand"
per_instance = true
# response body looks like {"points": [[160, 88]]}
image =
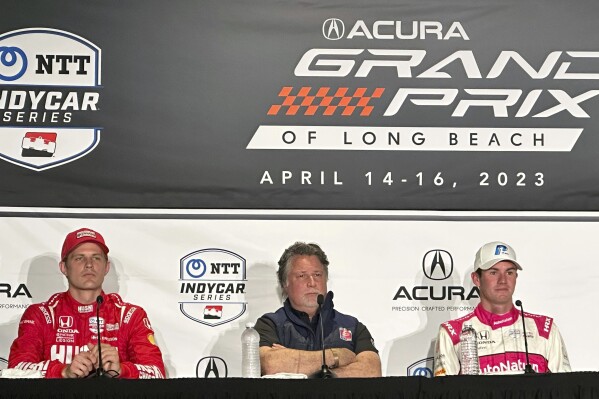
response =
{"points": [[83, 363], [278, 359], [110, 357], [364, 364], [346, 356]]}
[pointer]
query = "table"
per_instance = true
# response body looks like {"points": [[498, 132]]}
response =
{"points": [[565, 385]]}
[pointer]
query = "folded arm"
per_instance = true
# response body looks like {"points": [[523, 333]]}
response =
{"points": [[365, 364], [278, 359]]}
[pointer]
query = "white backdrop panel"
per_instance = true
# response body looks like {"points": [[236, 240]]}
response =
{"points": [[370, 261]]}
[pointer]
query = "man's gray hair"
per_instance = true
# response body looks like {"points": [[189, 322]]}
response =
{"points": [[300, 248]]}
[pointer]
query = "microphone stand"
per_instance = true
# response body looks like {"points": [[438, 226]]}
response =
{"points": [[528, 368], [325, 371], [100, 372]]}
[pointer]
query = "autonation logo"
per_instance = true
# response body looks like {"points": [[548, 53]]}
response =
{"points": [[334, 29]]}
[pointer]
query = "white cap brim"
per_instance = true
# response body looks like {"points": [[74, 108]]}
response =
{"points": [[490, 263]]}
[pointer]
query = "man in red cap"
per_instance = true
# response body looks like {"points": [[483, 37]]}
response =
{"points": [[59, 337]]}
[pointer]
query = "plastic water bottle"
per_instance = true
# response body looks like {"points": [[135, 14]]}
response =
{"points": [[250, 352], [469, 351]]}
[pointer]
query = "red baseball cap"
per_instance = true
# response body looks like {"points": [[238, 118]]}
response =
{"points": [[78, 237]]}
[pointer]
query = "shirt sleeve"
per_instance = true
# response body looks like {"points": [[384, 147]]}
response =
{"points": [[27, 350], [557, 355], [144, 356], [364, 341], [268, 331], [446, 357]]}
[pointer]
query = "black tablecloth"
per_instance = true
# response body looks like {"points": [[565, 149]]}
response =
{"points": [[567, 385]]}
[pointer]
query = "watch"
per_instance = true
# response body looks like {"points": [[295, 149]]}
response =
{"points": [[335, 358]]}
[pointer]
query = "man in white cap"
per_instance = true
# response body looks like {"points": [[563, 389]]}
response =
{"points": [[59, 337], [498, 324]]}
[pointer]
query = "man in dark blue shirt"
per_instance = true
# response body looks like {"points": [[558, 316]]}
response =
{"points": [[290, 338]]}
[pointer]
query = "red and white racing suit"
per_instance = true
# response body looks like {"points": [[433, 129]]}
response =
{"points": [[500, 340], [53, 332]]}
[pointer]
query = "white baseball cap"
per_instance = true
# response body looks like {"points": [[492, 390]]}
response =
{"points": [[492, 253]]}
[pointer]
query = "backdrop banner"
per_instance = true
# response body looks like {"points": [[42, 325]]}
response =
{"points": [[381, 272], [204, 137], [291, 105]]}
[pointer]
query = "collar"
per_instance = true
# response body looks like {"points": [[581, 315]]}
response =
{"points": [[303, 316], [496, 321], [327, 308], [81, 307]]}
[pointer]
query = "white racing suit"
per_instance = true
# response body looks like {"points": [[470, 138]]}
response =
{"points": [[500, 340]]}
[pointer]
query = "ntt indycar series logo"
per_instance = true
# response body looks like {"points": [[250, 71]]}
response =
{"points": [[212, 286], [49, 81]]}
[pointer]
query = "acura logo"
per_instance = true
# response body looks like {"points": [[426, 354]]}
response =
{"points": [[333, 29], [437, 264], [212, 367]]}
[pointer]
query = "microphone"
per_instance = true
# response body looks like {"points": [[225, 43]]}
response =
{"points": [[100, 372], [325, 371], [528, 368]]}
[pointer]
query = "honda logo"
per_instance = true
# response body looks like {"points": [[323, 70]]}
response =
{"points": [[65, 321]]}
